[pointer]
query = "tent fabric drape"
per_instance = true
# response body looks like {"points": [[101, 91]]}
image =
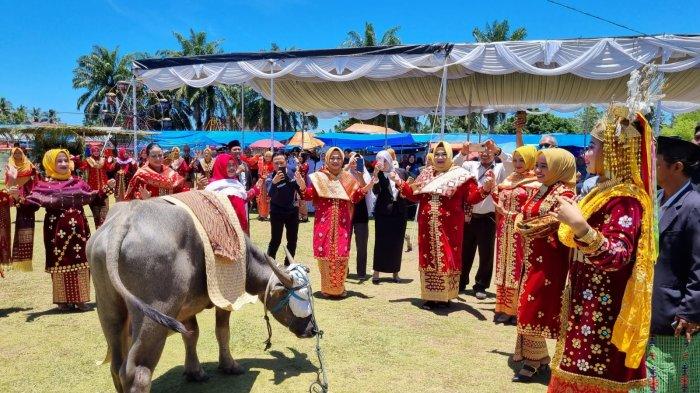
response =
{"points": [[560, 74]]}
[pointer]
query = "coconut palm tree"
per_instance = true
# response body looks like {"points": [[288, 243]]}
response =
{"points": [[35, 115], [495, 32], [98, 72], [369, 38], [207, 104], [5, 111]]}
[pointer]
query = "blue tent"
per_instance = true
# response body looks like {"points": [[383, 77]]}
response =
{"points": [[363, 141], [200, 139]]}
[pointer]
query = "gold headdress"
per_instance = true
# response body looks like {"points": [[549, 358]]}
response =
{"points": [[627, 163]]}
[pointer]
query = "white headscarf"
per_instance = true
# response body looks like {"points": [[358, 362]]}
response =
{"points": [[228, 187], [388, 166]]}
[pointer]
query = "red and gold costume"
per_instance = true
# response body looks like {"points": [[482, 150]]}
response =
{"points": [[264, 168], [444, 197], [204, 166], [607, 304], [333, 197], [178, 164], [125, 168], [511, 195], [96, 168], [5, 226], [546, 259], [66, 230], [165, 182], [22, 174]]}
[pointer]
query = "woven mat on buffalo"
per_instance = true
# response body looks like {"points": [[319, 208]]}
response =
{"points": [[224, 245]]}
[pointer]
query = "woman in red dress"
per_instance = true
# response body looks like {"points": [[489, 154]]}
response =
{"points": [[66, 229], [154, 178], [224, 180], [21, 173], [510, 196], [304, 171], [334, 191], [178, 163], [546, 261], [265, 167], [445, 194], [607, 305], [125, 168]]}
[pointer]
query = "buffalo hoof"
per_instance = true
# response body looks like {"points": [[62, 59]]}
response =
{"points": [[235, 369], [196, 376]]}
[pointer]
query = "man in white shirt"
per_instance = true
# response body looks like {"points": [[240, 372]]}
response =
{"points": [[480, 226]]}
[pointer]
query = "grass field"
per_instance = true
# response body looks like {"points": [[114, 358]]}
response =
{"points": [[377, 340]]}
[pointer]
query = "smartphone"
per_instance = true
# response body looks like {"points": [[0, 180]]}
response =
{"points": [[360, 164], [478, 147]]}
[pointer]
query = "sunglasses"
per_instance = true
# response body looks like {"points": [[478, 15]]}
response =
{"points": [[544, 146]]}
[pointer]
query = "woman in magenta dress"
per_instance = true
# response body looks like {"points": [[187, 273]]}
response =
{"points": [[66, 229], [334, 191], [546, 262], [224, 180], [510, 196]]}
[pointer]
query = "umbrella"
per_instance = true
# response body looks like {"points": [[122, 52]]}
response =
{"points": [[265, 144], [309, 141]]}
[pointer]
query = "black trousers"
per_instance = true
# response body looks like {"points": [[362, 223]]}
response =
{"points": [[278, 222], [361, 237], [479, 233]]}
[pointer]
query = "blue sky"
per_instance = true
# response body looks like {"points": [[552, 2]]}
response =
{"points": [[41, 40]]}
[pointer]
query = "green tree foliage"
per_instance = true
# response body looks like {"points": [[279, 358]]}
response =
{"points": [[682, 125], [98, 73], [587, 118], [540, 124], [495, 32]]}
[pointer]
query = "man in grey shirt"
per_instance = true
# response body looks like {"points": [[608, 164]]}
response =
{"points": [[480, 226]]}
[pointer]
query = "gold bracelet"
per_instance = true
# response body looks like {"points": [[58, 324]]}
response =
{"points": [[589, 237]]}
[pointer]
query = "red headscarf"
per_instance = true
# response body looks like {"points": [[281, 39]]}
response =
{"points": [[95, 151], [220, 170], [121, 153]]}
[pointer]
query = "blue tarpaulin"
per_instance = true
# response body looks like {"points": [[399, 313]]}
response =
{"points": [[374, 142]]}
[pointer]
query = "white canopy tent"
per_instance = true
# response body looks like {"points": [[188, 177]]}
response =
{"points": [[562, 75]]}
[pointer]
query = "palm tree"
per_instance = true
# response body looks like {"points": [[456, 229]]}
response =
{"points": [[19, 116], [495, 32], [257, 110], [98, 73], [35, 114], [52, 116], [5, 111], [369, 38], [208, 104]]}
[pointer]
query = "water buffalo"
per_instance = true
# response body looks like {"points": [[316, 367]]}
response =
{"points": [[148, 269]]}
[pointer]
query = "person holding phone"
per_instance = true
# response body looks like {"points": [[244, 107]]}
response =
{"points": [[480, 228], [674, 348], [284, 189], [360, 216]]}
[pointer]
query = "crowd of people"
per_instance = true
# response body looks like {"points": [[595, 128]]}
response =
{"points": [[573, 253]]}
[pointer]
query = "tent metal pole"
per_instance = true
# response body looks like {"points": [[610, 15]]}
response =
{"points": [[386, 128], [443, 99], [272, 107], [134, 112], [242, 115]]}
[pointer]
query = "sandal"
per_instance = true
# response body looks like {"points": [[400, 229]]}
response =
{"points": [[525, 378]]}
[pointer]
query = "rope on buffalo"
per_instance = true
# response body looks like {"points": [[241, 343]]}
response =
{"points": [[320, 385]]}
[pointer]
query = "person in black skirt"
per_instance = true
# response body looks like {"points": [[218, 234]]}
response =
{"points": [[390, 219]]}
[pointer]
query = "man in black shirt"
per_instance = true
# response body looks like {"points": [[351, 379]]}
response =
{"points": [[284, 189]]}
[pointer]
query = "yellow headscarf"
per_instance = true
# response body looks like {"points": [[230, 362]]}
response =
{"points": [[49, 164], [23, 164], [327, 157], [175, 153], [448, 161], [529, 155], [429, 161], [561, 165]]}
